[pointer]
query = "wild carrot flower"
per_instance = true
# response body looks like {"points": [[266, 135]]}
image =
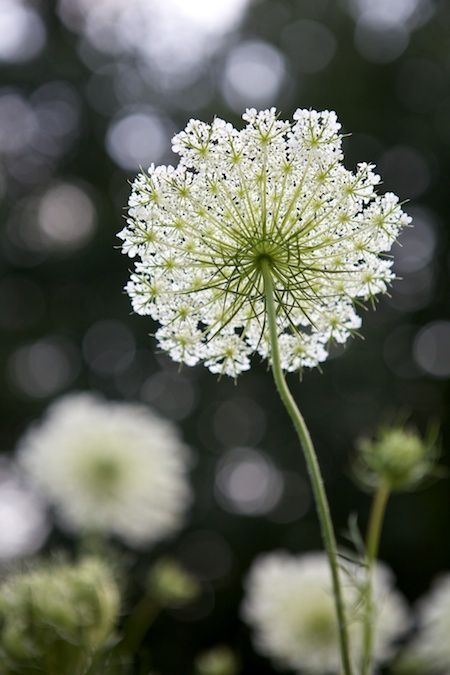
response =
{"points": [[431, 646], [289, 604], [107, 467], [273, 196]]}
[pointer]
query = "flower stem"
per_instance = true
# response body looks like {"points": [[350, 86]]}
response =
{"points": [[138, 624], [323, 509], [372, 544]]}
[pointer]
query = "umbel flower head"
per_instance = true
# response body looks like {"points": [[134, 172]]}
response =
{"points": [[289, 604], [110, 468], [57, 615], [273, 198]]}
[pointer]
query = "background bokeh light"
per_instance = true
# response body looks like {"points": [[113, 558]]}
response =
{"points": [[91, 91]]}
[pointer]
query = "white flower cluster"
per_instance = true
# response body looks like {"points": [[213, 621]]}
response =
{"points": [[432, 645], [289, 603], [273, 195], [109, 467]]}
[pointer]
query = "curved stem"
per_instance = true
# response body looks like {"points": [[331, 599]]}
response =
{"points": [[376, 521], [372, 544], [313, 468]]}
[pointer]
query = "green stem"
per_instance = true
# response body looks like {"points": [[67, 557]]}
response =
{"points": [[138, 624], [323, 509], [372, 545]]}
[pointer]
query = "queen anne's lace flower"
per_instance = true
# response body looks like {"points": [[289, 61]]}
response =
{"points": [[432, 645], [274, 195], [109, 467], [289, 604]]}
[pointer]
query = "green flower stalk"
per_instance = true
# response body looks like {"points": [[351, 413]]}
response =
{"points": [[57, 618], [398, 459], [261, 241], [168, 585]]}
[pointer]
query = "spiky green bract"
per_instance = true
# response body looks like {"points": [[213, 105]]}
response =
{"points": [[275, 193]]}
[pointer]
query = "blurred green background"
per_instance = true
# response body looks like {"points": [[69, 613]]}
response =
{"points": [[91, 91]]}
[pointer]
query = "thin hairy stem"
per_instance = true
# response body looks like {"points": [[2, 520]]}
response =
{"points": [[372, 544], [312, 464]]}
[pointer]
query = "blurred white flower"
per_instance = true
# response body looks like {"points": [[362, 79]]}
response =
{"points": [[109, 467], [273, 196], [24, 523], [432, 645], [289, 604]]}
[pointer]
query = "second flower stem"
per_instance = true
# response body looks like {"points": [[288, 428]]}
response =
{"points": [[372, 544], [320, 497]]}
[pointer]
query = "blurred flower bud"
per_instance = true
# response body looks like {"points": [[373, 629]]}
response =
{"points": [[397, 457], [171, 585], [217, 661], [58, 613]]}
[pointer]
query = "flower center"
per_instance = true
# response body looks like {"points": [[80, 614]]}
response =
{"points": [[265, 252], [263, 259], [102, 476], [321, 627]]}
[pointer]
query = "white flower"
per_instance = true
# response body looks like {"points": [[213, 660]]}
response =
{"points": [[109, 467], [432, 645], [289, 604], [274, 195]]}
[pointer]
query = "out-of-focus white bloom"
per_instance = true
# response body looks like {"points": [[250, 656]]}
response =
{"points": [[432, 645], [109, 467], [275, 196], [290, 605], [24, 522]]}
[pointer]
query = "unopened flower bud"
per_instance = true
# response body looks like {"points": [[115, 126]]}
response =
{"points": [[171, 585], [220, 660], [397, 457], [60, 611]]}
